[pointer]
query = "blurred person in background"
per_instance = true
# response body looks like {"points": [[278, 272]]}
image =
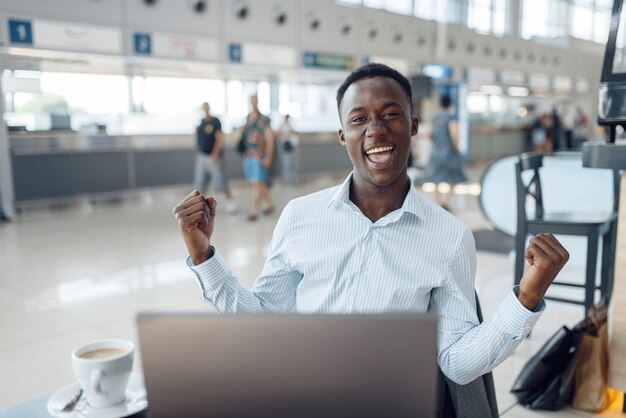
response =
{"points": [[581, 128], [445, 164], [287, 143], [538, 134], [257, 159], [546, 121], [210, 158], [569, 120], [557, 130]]}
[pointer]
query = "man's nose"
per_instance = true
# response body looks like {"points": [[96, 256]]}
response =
{"points": [[375, 127]]}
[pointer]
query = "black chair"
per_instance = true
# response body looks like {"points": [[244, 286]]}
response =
{"points": [[475, 399], [591, 225]]}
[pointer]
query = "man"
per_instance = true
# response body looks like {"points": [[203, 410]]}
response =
{"points": [[210, 157], [257, 159], [374, 244]]}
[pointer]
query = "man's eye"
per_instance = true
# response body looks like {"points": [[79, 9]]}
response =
{"points": [[391, 114], [358, 119]]}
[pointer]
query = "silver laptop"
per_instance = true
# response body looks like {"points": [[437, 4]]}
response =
{"points": [[204, 365]]}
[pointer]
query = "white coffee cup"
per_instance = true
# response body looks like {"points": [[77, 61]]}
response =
{"points": [[102, 369]]}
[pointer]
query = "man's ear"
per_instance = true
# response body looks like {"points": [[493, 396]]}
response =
{"points": [[342, 139], [414, 125]]}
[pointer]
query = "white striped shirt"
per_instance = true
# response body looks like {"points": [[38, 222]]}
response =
{"points": [[327, 257]]}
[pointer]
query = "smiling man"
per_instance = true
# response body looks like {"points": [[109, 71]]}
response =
{"points": [[373, 244]]}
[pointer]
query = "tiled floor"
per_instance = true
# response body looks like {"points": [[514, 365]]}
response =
{"points": [[79, 272]]}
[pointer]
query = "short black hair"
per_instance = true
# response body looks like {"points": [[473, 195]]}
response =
{"points": [[446, 101], [374, 70]]}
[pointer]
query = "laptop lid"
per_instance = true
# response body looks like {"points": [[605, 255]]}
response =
{"points": [[205, 365]]}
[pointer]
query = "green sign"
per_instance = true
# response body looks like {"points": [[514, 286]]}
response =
{"points": [[334, 61]]}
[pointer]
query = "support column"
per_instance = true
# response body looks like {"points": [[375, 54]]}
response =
{"points": [[274, 97], [513, 13], [7, 197], [617, 373]]}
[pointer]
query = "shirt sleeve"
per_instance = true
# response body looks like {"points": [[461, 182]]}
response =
{"points": [[468, 349], [273, 291]]}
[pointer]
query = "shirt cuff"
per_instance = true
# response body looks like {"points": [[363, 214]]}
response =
{"points": [[515, 317], [211, 272]]}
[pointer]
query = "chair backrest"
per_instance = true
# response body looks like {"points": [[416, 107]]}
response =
{"points": [[531, 186], [528, 161], [475, 399]]}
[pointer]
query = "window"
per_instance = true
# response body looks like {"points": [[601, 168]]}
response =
{"points": [[487, 16], [404, 7], [170, 95], [479, 15], [498, 17], [88, 93], [591, 19], [544, 18], [263, 96], [425, 9], [455, 11], [582, 21], [601, 24]]}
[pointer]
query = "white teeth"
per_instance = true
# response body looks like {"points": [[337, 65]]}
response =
{"points": [[378, 149]]}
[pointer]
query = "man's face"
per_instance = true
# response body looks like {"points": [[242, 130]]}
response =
{"points": [[377, 126], [205, 108], [254, 101]]}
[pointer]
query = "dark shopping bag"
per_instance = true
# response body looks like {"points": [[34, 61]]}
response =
{"points": [[547, 379], [571, 367]]}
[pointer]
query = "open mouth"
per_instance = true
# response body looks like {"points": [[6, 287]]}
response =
{"points": [[379, 154]]}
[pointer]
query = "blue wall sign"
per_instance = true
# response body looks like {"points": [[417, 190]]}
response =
{"points": [[20, 32], [309, 59], [143, 43], [234, 52]]}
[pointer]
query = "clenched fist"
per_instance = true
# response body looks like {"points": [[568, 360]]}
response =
{"points": [[546, 257], [195, 216]]}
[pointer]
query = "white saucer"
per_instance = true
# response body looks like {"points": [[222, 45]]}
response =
{"points": [[135, 402]]}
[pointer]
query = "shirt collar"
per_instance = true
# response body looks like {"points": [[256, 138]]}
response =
{"points": [[412, 202]]}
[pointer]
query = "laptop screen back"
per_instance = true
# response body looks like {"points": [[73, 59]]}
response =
{"points": [[202, 365]]}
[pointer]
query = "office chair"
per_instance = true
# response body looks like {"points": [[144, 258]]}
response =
{"points": [[592, 225]]}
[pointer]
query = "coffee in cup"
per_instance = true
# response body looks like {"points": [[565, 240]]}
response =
{"points": [[102, 369], [102, 353]]}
